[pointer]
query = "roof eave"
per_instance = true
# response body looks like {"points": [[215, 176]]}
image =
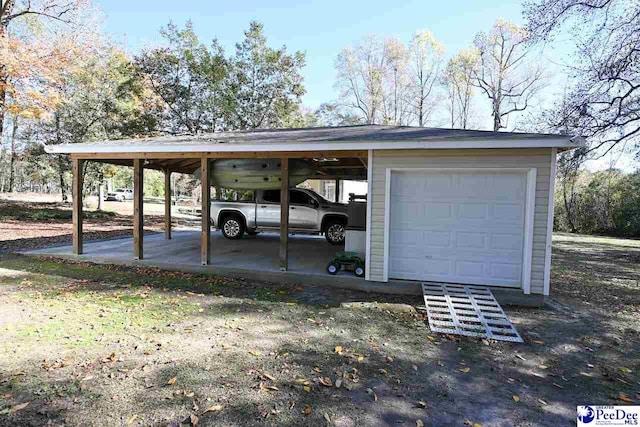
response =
{"points": [[149, 147]]}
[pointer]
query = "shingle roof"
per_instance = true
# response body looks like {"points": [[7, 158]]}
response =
{"points": [[335, 134], [262, 139]]}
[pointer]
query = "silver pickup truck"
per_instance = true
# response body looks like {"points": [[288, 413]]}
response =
{"points": [[309, 213]]}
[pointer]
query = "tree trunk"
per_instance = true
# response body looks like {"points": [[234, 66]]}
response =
{"points": [[496, 117], [63, 188], [3, 97], [567, 205], [12, 162]]}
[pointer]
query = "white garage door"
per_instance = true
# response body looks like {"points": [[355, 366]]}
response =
{"points": [[457, 226]]}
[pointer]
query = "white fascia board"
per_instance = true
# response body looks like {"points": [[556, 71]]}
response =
{"points": [[150, 147]]}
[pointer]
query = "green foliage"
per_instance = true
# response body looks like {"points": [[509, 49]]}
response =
{"points": [[265, 85], [605, 202], [188, 77]]}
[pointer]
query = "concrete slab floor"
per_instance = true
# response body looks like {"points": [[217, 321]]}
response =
{"points": [[254, 258], [307, 254]]}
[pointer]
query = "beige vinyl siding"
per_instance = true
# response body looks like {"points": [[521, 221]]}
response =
{"points": [[539, 158]]}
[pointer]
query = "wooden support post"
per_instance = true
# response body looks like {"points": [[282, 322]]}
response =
{"points": [[167, 204], [77, 206], [337, 191], [138, 210], [284, 214], [205, 256]]}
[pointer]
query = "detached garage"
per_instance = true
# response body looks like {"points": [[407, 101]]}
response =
{"points": [[473, 214], [443, 205]]}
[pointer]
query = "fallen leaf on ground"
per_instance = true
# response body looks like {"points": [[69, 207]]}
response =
{"points": [[373, 394], [19, 407], [516, 398], [172, 381], [326, 381], [214, 408], [255, 353], [307, 409], [307, 388], [624, 398], [338, 349], [268, 387], [465, 370], [267, 376], [132, 419], [194, 420]]}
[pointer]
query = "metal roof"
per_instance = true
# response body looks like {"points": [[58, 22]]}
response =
{"points": [[325, 138]]}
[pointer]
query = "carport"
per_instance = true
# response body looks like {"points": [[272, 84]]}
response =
{"points": [[187, 154]]}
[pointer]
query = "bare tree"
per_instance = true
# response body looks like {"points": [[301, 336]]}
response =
{"points": [[388, 82], [503, 72], [458, 79], [395, 84], [604, 101], [360, 73], [426, 56]]}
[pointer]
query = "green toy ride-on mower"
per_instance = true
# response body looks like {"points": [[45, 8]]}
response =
{"points": [[350, 261]]}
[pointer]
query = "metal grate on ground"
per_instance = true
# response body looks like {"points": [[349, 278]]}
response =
{"points": [[467, 310]]}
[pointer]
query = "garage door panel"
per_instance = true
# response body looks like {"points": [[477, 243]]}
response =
{"points": [[437, 266], [405, 238], [437, 239], [472, 184], [406, 212], [470, 269], [507, 187], [406, 268], [513, 213], [473, 210], [406, 187], [505, 271], [506, 241], [438, 210], [471, 240], [466, 227], [436, 185]]}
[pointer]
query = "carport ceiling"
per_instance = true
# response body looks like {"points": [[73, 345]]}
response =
{"points": [[326, 167]]}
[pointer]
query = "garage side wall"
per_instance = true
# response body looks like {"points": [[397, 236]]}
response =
{"points": [[487, 158]]}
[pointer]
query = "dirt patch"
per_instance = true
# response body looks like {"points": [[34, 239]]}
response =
{"points": [[31, 225]]}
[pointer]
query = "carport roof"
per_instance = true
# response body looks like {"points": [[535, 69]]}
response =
{"points": [[362, 137]]}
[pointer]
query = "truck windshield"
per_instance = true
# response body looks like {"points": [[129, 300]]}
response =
{"points": [[319, 197]]}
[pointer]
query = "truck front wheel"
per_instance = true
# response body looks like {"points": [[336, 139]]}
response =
{"points": [[334, 232], [232, 227]]}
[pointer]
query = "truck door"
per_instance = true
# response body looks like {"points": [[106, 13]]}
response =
{"points": [[268, 208], [303, 212]]}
